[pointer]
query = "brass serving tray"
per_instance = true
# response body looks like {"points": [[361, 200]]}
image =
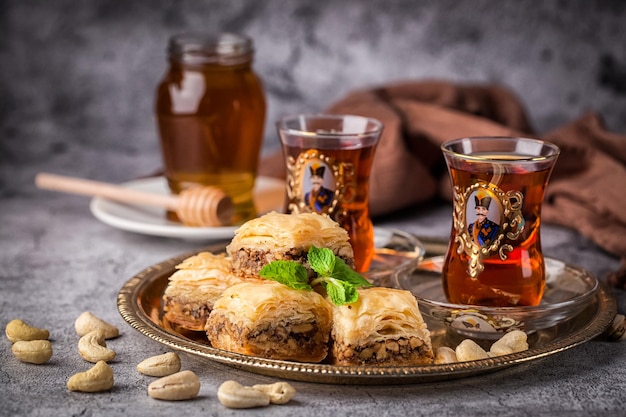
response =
{"points": [[139, 303]]}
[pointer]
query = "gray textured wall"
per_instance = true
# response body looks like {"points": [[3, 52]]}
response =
{"points": [[77, 78]]}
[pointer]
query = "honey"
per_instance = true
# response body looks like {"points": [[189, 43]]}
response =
{"points": [[210, 111]]}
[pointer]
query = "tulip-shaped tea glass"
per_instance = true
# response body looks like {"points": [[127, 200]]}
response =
{"points": [[328, 160], [494, 257]]}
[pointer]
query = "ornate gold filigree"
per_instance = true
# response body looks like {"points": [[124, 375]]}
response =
{"points": [[511, 226], [344, 176]]}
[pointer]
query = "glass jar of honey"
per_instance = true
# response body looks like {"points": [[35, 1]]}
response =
{"points": [[210, 111]]}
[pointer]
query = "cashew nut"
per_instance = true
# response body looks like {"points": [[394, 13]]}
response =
{"points": [[19, 330], [444, 355], [160, 365], [32, 351], [468, 350], [183, 385], [234, 395], [279, 392], [512, 342], [92, 347], [87, 322], [98, 378]]}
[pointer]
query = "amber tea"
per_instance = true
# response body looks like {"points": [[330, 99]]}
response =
{"points": [[328, 161], [494, 257]]}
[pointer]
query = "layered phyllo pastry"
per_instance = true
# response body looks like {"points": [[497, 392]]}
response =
{"points": [[191, 291], [383, 327], [277, 236], [270, 320]]}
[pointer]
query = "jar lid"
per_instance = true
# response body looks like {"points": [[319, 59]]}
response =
{"points": [[208, 48]]}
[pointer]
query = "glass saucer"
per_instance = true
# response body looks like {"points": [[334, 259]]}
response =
{"points": [[396, 253], [569, 290]]}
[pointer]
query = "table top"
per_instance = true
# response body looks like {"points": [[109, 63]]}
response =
{"points": [[57, 260]]}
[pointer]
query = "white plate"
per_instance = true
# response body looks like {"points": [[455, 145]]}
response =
{"points": [[268, 195]]}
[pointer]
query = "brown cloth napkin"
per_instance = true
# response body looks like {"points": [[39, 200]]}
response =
{"points": [[587, 190]]}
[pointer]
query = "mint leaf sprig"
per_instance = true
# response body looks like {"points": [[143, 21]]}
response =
{"points": [[338, 279], [289, 273]]}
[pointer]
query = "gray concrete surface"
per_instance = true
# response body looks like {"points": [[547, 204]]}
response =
{"points": [[76, 92], [57, 261]]}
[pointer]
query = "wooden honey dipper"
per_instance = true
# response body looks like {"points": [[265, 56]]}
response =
{"points": [[200, 206]]}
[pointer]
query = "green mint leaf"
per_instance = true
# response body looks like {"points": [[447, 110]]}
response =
{"points": [[345, 273], [322, 260], [340, 292], [289, 273], [351, 293], [338, 279]]}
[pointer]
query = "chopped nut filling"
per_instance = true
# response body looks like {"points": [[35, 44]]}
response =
{"points": [[249, 262], [274, 340], [189, 315], [387, 352]]}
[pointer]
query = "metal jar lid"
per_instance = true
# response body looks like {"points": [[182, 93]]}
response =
{"points": [[207, 48]]}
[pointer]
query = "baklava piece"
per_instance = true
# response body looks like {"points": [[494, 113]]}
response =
{"points": [[272, 321], [191, 291], [277, 236], [383, 327]]}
